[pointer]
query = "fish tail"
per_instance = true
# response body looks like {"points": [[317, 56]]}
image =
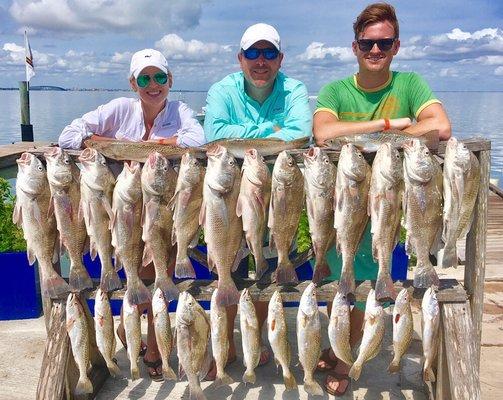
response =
{"points": [[249, 376], [167, 287], [79, 277], [54, 286], [285, 273], [228, 293], [137, 293], [109, 280], [385, 290], [428, 374], [222, 379], [321, 271], [184, 268], [312, 387], [84, 385], [394, 366], [113, 368], [196, 392], [347, 283], [355, 371], [425, 276], [135, 372], [450, 256], [168, 373], [261, 267], [290, 382]]}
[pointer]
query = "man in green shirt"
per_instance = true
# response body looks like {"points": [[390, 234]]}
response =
{"points": [[374, 99]]}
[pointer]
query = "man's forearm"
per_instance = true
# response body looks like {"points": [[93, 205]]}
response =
{"points": [[430, 124]]}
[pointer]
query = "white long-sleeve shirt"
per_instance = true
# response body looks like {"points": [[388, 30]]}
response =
{"points": [[122, 118]]}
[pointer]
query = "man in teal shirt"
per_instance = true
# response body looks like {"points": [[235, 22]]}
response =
{"points": [[259, 101]]}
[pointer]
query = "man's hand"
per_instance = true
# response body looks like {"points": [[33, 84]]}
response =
{"points": [[276, 128], [400, 123]]}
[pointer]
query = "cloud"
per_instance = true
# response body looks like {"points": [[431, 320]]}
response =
{"points": [[106, 15], [174, 47], [318, 51], [449, 72], [499, 71]]}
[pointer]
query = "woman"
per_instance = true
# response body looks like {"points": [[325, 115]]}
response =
{"points": [[149, 117]]}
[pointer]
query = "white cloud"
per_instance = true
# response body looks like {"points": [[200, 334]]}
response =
{"points": [[318, 51], [448, 72], [484, 60], [106, 15], [174, 47], [499, 71]]}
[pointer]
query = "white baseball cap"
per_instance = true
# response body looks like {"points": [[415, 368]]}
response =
{"points": [[147, 58], [258, 32]]}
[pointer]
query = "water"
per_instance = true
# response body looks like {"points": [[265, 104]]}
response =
{"points": [[471, 113]]}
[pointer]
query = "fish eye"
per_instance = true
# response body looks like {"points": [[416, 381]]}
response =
{"points": [[66, 161], [326, 160], [427, 152], [40, 168], [231, 162]]}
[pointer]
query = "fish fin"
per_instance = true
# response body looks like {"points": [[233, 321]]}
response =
{"points": [[113, 220], [110, 280], [84, 386], [168, 288], [290, 382], [92, 249], [202, 213], [168, 373], [36, 213], [135, 373], [425, 276], [270, 219], [242, 252], [106, 205], [429, 375], [184, 268], [173, 235], [313, 388], [239, 206], [195, 240], [394, 366], [321, 271], [17, 215], [347, 283], [79, 278], [113, 369], [149, 217], [138, 293], [227, 294], [54, 287], [355, 371], [31, 255], [50, 210], [80, 212], [261, 267], [249, 377], [223, 379], [384, 289], [148, 255], [450, 256], [284, 274]]}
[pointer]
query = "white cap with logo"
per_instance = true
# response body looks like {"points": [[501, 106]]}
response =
{"points": [[258, 32], [147, 58]]}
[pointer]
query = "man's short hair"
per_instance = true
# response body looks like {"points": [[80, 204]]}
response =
{"points": [[373, 13]]}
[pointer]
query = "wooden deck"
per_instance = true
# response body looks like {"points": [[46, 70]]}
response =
{"points": [[9, 153]]}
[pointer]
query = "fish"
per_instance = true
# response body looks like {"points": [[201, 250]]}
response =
{"points": [[219, 340], [370, 142], [287, 201], [373, 333], [220, 222], [422, 210], [96, 188], [104, 328], [265, 147], [319, 185], [39, 229], [339, 329], [253, 205], [127, 231], [309, 338], [162, 329], [277, 333], [403, 328], [64, 181], [124, 150], [351, 210], [250, 336], [461, 179], [132, 327], [430, 311], [186, 204], [193, 336], [158, 181], [76, 326], [385, 209]]}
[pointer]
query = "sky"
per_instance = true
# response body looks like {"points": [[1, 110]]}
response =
{"points": [[453, 44]]}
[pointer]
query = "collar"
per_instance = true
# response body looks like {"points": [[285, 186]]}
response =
{"points": [[376, 89]]}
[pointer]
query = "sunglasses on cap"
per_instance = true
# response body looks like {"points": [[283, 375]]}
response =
{"points": [[383, 44], [160, 77], [253, 53]]}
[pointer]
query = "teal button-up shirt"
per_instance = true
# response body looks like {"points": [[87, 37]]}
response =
{"points": [[231, 113]]}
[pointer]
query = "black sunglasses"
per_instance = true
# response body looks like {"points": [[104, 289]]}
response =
{"points": [[252, 53], [383, 44]]}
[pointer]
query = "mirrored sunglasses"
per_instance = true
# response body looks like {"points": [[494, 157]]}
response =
{"points": [[383, 44], [252, 53], [160, 77]]}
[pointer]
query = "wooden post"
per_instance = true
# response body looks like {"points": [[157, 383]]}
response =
{"points": [[475, 266], [442, 387], [26, 127]]}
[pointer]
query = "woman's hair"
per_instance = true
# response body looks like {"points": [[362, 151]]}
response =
{"points": [[373, 13]]}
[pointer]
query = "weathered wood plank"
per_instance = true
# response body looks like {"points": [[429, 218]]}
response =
{"points": [[450, 290], [442, 386], [476, 254], [51, 384], [9, 153], [461, 351]]}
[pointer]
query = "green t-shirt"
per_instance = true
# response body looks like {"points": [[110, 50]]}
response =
{"points": [[405, 94]]}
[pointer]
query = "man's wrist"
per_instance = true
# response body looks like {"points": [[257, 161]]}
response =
{"points": [[387, 124]]}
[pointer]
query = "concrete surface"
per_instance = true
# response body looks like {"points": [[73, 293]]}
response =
{"points": [[23, 341]]}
